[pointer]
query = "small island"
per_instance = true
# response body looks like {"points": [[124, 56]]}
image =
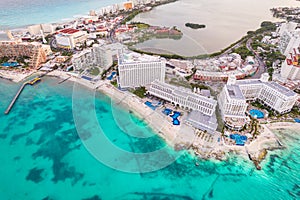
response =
{"points": [[195, 26]]}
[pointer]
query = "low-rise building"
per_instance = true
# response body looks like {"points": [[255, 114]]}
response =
{"points": [[218, 76], [68, 38]]}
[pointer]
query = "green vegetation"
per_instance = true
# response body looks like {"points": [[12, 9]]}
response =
{"points": [[266, 26], [21, 59], [114, 83], [140, 25], [66, 53], [95, 71], [3, 59], [220, 121], [168, 56], [270, 71], [257, 105], [200, 86], [190, 76], [270, 53], [243, 51], [295, 112], [254, 127], [195, 26], [131, 16], [243, 39], [140, 92]]}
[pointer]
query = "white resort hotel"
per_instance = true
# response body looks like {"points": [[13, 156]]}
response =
{"points": [[202, 108], [137, 70], [235, 94]]}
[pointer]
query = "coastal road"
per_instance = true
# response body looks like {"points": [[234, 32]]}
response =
{"points": [[231, 49], [262, 66]]}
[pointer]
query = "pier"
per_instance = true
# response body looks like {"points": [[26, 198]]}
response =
{"points": [[32, 82]]}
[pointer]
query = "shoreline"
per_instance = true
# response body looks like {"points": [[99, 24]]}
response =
{"points": [[77, 16], [58, 21], [129, 102], [176, 136]]}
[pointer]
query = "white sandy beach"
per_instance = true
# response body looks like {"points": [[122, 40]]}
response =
{"points": [[182, 134], [16, 76], [158, 122]]}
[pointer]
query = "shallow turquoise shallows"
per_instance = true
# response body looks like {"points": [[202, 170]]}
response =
{"points": [[42, 156]]}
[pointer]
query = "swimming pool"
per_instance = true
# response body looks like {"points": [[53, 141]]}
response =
{"points": [[175, 118], [239, 139], [153, 105], [111, 76], [167, 111], [10, 64], [256, 113]]}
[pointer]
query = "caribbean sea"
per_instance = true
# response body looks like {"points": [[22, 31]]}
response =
{"points": [[21, 13], [47, 151]]}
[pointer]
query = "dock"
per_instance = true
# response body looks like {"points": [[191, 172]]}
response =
{"points": [[31, 82]]}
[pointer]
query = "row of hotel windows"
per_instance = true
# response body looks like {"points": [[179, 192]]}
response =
{"points": [[189, 98], [140, 65], [184, 102]]}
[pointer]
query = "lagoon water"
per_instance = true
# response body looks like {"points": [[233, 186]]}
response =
{"points": [[43, 157], [226, 21]]}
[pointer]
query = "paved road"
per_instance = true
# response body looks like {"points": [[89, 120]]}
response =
{"points": [[262, 66]]}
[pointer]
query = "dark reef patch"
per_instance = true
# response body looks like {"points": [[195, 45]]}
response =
{"points": [[47, 198], [55, 147], [270, 165], [15, 138], [3, 136], [211, 193], [96, 197], [35, 175], [29, 142], [17, 158]]}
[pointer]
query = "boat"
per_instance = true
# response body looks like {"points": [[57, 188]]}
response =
{"points": [[34, 81]]}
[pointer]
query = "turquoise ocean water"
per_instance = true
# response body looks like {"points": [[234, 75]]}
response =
{"points": [[20, 13], [43, 157]]}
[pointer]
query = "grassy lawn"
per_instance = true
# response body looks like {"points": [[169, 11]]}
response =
{"points": [[95, 71], [140, 92]]}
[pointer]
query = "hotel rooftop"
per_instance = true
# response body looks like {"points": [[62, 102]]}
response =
{"points": [[133, 57], [68, 31], [184, 92], [235, 92], [283, 90]]}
